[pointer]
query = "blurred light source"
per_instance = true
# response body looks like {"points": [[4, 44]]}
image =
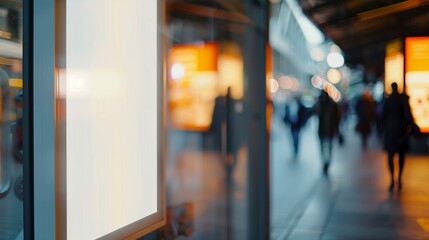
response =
{"points": [[417, 79], [274, 85], [394, 65], [317, 54], [378, 91], [334, 76], [286, 82], [345, 73], [317, 81], [335, 59], [230, 71], [295, 84], [76, 85], [289, 83], [194, 85], [332, 91], [394, 72], [312, 34], [177, 71], [327, 87], [335, 48], [336, 96], [15, 82]]}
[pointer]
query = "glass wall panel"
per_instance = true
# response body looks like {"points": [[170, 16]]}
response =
{"points": [[11, 125], [207, 148]]}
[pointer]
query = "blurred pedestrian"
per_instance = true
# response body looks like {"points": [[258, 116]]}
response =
{"points": [[398, 125], [365, 110], [295, 118], [329, 119], [343, 112], [379, 118]]}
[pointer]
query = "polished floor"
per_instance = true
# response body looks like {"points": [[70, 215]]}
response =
{"points": [[353, 202]]}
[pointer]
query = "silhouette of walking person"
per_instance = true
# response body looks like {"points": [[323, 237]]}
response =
{"points": [[329, 119], [365, 109], [398, 124], [295, 118]]}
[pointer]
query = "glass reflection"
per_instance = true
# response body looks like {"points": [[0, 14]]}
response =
{"points": [[11, 181], [206, 150]]}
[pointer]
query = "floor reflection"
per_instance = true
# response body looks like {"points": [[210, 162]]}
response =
{"points": [[197, 181], [354, 201]]}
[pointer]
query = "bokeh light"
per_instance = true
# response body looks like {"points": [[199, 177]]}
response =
{"points": [[335, 60], [334, 76]]}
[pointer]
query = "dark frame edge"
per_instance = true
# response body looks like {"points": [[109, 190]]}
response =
{"points": [[28, 146]]}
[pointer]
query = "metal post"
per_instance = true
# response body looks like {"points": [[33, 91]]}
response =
{"points": [[28, 166], [258, 166], [44, 122]]}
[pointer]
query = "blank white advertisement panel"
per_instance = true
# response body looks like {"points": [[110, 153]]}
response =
{"points": [[111, 93]]}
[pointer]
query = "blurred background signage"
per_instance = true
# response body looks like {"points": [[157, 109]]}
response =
{"points": [[394, 66], [198, 74], [112, 90], [417, 78], [193, 84]]}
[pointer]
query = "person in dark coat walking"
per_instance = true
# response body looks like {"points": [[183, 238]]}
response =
{"points": [[398, 123], [329, 120], [365, 109], [295, 118]]}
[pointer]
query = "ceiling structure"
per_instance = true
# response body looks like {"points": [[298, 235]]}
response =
{"points": [[363, 27]]}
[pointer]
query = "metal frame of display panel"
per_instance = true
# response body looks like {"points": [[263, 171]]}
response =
{"points": [[28, 166]]}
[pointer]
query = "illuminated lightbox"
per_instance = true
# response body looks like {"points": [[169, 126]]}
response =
{"points": [[394, 66], [417, 78], [193, 81], [198, 74], [111, 113]]}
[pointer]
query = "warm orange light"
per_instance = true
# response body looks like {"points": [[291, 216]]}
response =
{"points": [[231, 75], [269, 71], [285, 82], [417, 54], [417, 79], [317, 81], [334, 75], [189, 59], [193, 85], [274, 85], [15, 82], [394, 72], [269, 59]]}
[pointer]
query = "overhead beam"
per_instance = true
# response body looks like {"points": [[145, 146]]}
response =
{"points": [[391, 9], [320, 6], [353, 12], [204, 11]]}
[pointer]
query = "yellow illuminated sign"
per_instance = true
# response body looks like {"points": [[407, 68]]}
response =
{"points": [[417, 78], [15, 82]]}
